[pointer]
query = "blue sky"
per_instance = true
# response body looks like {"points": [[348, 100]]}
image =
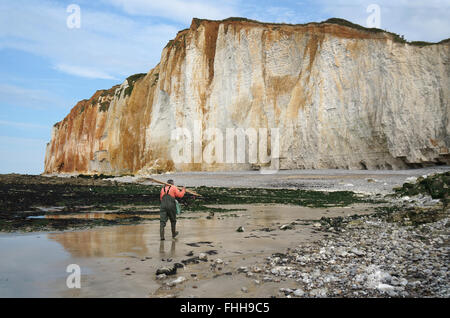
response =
{"points": [[46, 67]]}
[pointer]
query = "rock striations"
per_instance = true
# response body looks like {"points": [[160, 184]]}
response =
{"points": [[342, 96]]}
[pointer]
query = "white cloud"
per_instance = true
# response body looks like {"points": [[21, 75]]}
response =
{"points": [[22, 125], [26, 97], [277, 14], [178, 10], [83, 72], [106, 46]]}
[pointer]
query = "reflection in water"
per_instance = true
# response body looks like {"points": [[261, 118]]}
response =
{"points": [[96, 215], [142, 240], [162, 251], [106, 242], [35, 265], [29, 263]]}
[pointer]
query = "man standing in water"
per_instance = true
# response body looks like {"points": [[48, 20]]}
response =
{"points": [[168, 207]]}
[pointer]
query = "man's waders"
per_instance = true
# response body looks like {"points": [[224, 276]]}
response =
{"points": [[168, 211]]}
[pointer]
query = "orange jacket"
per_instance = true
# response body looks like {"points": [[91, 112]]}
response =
{"points": [[173, 192]]}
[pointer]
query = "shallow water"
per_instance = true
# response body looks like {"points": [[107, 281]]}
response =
{"points": [[35, 265], [29, 264], [94, 215]]}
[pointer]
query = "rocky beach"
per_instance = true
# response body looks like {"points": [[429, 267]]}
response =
{"points": [[265, 241], [370, 257]]}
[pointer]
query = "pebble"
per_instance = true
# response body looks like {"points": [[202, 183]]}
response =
{"points": [[372, 258], [319, 292], [161, 276], [256, 269], [242, 269], [166, 270], [177, 281], [285, 227]]}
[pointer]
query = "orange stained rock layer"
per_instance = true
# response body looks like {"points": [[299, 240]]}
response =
{"points": [[111, 129]]}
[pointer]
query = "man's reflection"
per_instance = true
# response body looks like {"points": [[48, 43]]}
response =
{"points": [[162, 251]]}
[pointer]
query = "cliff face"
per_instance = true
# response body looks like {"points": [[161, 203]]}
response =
{"points": [[341, 96]]}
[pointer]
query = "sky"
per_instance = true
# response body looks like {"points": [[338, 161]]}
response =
{"points": [[55, 53]]}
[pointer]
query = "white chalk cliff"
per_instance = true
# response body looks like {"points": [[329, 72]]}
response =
{"points": [[341, 95]]}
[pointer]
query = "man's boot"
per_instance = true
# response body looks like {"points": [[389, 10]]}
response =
{"points": [[161, 232], [174, 232]]}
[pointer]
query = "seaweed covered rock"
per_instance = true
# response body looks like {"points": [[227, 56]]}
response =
{"points": [[436, 186]]}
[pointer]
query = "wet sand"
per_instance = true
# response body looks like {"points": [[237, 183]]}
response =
{"points": [[121, 261]]}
